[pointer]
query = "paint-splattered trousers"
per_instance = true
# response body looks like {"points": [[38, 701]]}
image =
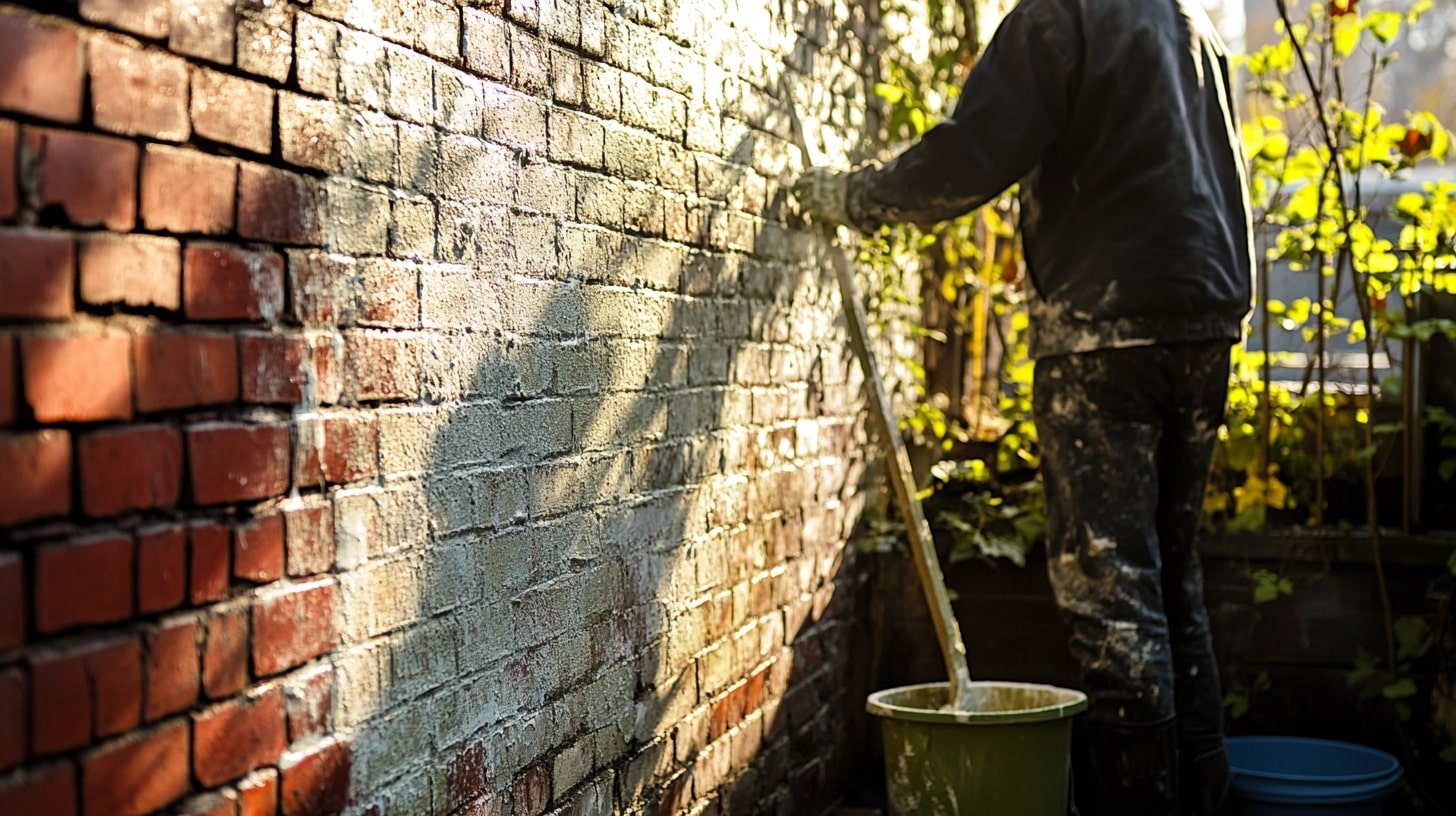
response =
{"points": [[1127, 439]]}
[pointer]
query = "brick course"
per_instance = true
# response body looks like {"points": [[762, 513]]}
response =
{"points": [[420, 407]]}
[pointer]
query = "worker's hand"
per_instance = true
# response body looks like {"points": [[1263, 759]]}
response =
{"points": [[820, 196]]}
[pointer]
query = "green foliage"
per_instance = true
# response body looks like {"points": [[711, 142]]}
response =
{"points": [[1270, 586]]}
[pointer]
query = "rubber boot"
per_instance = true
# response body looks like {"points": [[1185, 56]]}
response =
{"points": [[1203, 779], [1125, 770]]}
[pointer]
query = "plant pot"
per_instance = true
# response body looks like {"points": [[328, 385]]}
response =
{"points": [[1008, 754]]}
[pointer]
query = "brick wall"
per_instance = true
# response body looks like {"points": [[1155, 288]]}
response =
{"points": [[416, 407]]}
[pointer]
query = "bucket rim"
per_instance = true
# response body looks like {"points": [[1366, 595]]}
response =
{"points": [[1074, 702], [1393, 768]]}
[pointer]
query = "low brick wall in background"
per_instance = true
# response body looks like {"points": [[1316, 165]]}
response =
{"points": [[421, 407]]}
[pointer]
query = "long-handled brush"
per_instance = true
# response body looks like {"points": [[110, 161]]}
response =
{"points": [[917, 530]]}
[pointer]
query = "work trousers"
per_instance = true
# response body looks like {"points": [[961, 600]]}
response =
{"points": [[1127, 439]]}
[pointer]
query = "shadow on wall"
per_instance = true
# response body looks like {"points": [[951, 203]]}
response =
{"points": [[631, 593]]}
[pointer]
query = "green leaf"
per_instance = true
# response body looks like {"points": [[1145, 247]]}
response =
{"points": [[1347, 34], [1412, 636], [1448, 754], [890, 93], [1400, 689]]}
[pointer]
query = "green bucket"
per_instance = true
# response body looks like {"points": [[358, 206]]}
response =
{"points": [[1009, 754]]}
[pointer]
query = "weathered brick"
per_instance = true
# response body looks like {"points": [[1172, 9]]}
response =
{"points": [[138, 92], [309, 697], [225, 657], [530, 62], [12, 603], [232, 110], [135, 270], [145, 18], [14, 719], [231, 462], [323, 288], [265, 41], [457, 101], [173, 679], [138, 774], [317, 781], [411, 79], [292, 626], [335, 449], [363, 65], [412, 227], [275, 205], [48, 789], [185, 191], [161, 568], [238, 736], [357, 220], [487, 44], [290, 369], [184, 370], [226, 283], [138, 467], [468, 169], [258, 793], [9, 180], [310, 538], [215, 803], [87, 580], [384, 366], [44, 66], [37, 274], [204, 28], [41, 464], [91, 178], [77, 377], [575, 138], [316, 46], [514, 119], [258, 549], [210, 545], [311, 131]]}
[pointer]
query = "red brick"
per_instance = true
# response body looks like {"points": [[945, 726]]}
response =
{"points": [[49, 790], [310, 538], [258, 793], [91, 178], [232, 110], [9, 182], [258, 549], [13, 711], [323, 288], [116, 686], [42, 66], [60, 703], [289, 369], [275, 205], [37, 274], [465, 781], [292, 626], [8, 379], [532, 790], [172, 669], [145, 18], [216, 803], [138, 92], [137, 467], [12, 601], [211, 547], [135, 270], [238, 736], [316, 783], [39, 467], [84, 581], [186, 191], [310, 698], [77, 377], [225, 659], [226, 283], [232, 462], [335, 449], [161, 568], [384, 366], [184, 370], [137, 774]]}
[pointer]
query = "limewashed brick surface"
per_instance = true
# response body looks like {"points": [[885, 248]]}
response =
{"points": [[422, 407]]}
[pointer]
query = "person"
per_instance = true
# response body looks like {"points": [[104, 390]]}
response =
{"points": [[1118, 119]]}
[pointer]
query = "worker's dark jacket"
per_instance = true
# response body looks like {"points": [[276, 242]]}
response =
{"points": [[1118, 119]]}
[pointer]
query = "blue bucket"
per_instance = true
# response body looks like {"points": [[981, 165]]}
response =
{"points": [[1295, 776]]}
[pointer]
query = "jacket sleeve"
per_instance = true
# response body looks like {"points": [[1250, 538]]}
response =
{"points": [[1012, 108]]}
